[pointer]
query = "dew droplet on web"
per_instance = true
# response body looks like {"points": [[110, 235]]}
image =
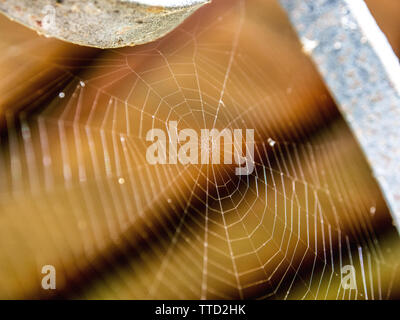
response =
{"points": [[372, 210], [271, 142], [82, 84], [121, 180], [61, 95], [309, 45]]}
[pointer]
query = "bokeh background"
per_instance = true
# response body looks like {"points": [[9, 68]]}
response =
{"points": [[76, 191]]}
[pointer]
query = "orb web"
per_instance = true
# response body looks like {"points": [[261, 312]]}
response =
{"points": [[77, 191]]}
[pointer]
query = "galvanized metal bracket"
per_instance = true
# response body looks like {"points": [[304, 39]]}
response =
{"points": [[363, 75]]}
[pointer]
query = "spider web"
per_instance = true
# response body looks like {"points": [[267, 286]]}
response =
{"points": [[77, 191]]}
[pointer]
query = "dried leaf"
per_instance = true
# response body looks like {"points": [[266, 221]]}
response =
{"points": [[102, 23]]}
